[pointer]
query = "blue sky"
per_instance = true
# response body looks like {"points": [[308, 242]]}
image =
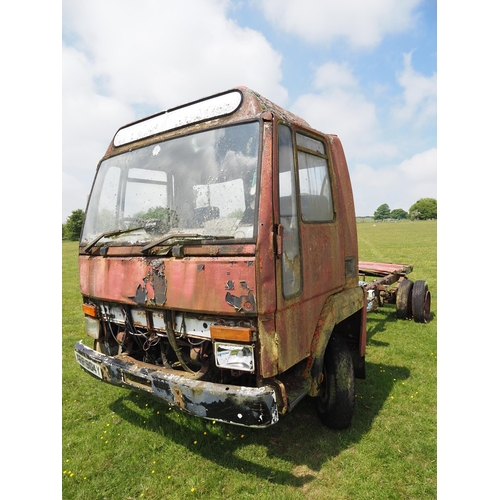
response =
{"points": [[363, 70]]}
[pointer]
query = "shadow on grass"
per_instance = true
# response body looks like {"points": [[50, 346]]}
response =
{"points": [[379, 320], [298, 438]]}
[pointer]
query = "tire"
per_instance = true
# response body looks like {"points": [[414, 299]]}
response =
{"points": [[421, 302], [335, 403], [105, 348], [404, 300]]}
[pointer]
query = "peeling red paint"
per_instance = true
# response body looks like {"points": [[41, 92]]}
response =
{"points": [[120, 280]]}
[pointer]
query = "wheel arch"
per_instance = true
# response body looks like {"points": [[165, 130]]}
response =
{"points": [[344, 315]]}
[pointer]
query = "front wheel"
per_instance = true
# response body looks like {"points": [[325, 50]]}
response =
{"points": [[335, 403], [105, 348]]}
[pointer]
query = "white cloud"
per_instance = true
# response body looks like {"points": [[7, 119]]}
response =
{"points": [[334, 74], [89, 121], [166, 53], [420, 168], [419, 97], [362, 23], [123, 55], [339, 107], [76, 192], [399, 186]]}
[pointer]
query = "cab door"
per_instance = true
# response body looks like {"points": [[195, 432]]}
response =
{"points": [[310, 256]]}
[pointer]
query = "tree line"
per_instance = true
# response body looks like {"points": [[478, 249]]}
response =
{"points": [[423, 209]]}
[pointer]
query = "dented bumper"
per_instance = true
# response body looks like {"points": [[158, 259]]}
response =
{"points": [[247, 406]]}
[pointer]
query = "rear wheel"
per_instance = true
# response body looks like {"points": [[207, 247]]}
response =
{"points": [[421, 302], [404, 299], [335, 403]]}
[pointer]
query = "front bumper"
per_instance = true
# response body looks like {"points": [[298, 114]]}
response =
{"points": [[247, 406]]}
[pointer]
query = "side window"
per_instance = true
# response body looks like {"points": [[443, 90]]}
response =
{"points": [[314, 180], [290, 262]]}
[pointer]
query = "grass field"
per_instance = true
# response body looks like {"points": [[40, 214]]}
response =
{"points": [[118, 445]]}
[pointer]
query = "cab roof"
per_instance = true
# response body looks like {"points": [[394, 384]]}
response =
{"points": [[237, 104]]}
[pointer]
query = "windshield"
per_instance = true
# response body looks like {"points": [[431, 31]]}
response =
{"points": [[203, 184]]}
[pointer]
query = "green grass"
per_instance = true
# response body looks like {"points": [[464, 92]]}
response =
{"points": [[121, 445]]}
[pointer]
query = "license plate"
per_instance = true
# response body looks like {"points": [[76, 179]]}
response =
{"points": [[89, 365]]}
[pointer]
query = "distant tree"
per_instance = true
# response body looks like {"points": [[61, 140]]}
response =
{"points": [[73, 226], [382, 212], [425, 208], [399, 213]]}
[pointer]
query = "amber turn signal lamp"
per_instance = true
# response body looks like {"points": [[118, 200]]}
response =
{"points": [[89, 310], [236, 333]]}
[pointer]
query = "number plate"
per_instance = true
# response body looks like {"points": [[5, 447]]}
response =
{"points": [[89, 365]]}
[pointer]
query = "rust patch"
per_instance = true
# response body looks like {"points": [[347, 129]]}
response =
{"points": [[158, 282], [178, 399], [153, 288], [243, 303], [141, 294]]}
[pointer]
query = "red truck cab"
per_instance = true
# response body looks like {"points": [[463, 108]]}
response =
{"points": [[219, 264]]}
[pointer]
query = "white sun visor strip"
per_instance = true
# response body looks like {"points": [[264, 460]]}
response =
{"points": [[213, 107]]}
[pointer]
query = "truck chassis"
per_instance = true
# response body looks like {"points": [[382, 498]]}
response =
{"points": [[389, 283]]}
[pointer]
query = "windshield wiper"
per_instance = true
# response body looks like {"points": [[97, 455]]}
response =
{"points": [[107, 234], [198, 236]]}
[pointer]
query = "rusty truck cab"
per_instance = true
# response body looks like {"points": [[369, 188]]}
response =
{"points": [[218, 262]]}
